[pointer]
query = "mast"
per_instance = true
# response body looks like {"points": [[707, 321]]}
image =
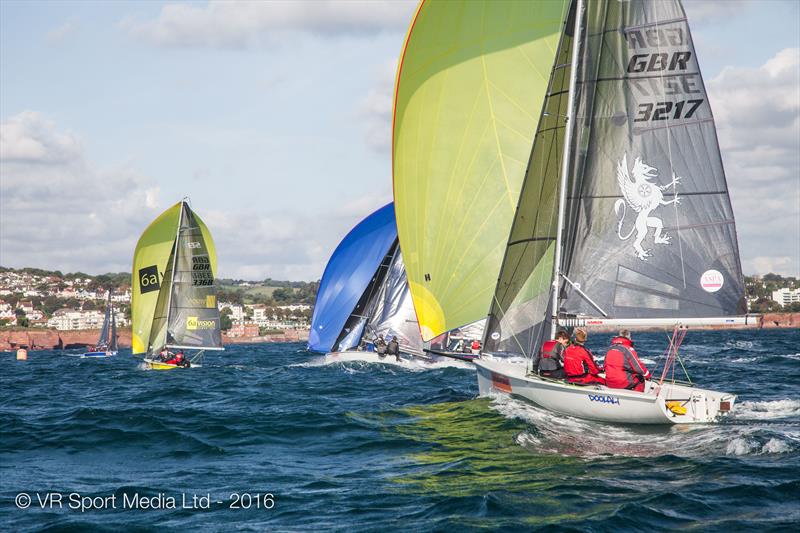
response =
{"points": [[174, 263], [562, 197]]}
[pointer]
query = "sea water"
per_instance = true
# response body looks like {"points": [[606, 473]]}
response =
{"points": [[268, 437]]}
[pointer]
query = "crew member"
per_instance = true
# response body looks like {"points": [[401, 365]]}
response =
{"points": [[551, 361], [163, 355], [476, 346], [380, 346], [393, 348], [182, 360], [579, 365], [624, 370]]}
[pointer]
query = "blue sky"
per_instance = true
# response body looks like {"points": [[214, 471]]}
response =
{"points": [[274, 118]]}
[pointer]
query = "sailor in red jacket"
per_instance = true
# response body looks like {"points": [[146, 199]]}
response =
{"points": [[579, 365], [624, 370]]}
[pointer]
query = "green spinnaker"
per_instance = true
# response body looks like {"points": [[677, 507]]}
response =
{"points": [[470, 87]]}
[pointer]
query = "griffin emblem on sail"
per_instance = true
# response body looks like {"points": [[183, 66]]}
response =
{"points": [[643, 196]]}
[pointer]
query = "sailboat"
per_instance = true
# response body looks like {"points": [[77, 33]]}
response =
{"points": [[623, 218], [174, 304], [364, 294], [106, 345]]}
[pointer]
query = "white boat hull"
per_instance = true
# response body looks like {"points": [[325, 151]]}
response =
{"points": [[597, 402], [406, 359]]}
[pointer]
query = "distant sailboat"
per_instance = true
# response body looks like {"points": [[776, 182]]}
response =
{"points": [[174, 305], [364, 293], [106, 345]]}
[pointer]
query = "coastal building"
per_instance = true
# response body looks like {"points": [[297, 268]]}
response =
{"points": [[121, 297], [70, 319], [786, 296], [260, 315], [26, 306], [7, 313], [237, 311], [243, 329], [295, 307]]}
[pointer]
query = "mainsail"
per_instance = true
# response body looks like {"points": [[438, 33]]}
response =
{"points": [[392, 313], [174, 301], [113, 346], [104, 330], [648, 228], [470, 87]]}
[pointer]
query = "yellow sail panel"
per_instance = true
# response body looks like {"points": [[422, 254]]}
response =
{"points": [[469, 92], [149, 263]]}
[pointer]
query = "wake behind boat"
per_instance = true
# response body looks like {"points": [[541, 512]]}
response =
{"points": [[174, 307]]}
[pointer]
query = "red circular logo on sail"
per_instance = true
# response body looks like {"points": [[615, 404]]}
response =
{"points": [[711, 280]]}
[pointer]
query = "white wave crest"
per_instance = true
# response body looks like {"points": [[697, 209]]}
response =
{"points": [[767, 410], [745, 446]]}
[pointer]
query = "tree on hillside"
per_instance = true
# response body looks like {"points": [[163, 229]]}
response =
{"points": [[225, 322], [765, 305]]}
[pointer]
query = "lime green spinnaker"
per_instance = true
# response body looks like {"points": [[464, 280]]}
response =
{"points": [[151, 260], [470, 88]]}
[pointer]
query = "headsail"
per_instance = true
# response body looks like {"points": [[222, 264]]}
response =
{"points": [[519, 307], [470, 87], [348, 274]]}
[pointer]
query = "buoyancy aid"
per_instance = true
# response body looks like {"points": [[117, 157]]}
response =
{"points": [[624, 370], [579, 363], [552, 357]]}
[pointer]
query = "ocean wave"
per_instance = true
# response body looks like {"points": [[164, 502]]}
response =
{"points": [[753, 446], [569, 436], [766, 410]]}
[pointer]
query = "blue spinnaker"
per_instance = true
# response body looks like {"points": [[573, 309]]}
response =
{"points": [[349, 271]]}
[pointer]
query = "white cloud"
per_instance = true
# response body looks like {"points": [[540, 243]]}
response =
{"points": [[240, 23], [703, 11], [60, 34], [57, 209], [757, 111], [60, 211], [283, 245], [376, 108]]}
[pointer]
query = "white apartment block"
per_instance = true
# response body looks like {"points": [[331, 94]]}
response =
{"points": [[786, 296], [67, 319]]}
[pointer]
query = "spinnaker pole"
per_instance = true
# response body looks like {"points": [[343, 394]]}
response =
{"points": [[562, 196]]}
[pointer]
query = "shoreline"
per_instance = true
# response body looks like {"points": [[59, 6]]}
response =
{"points": [[34, 339]]}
